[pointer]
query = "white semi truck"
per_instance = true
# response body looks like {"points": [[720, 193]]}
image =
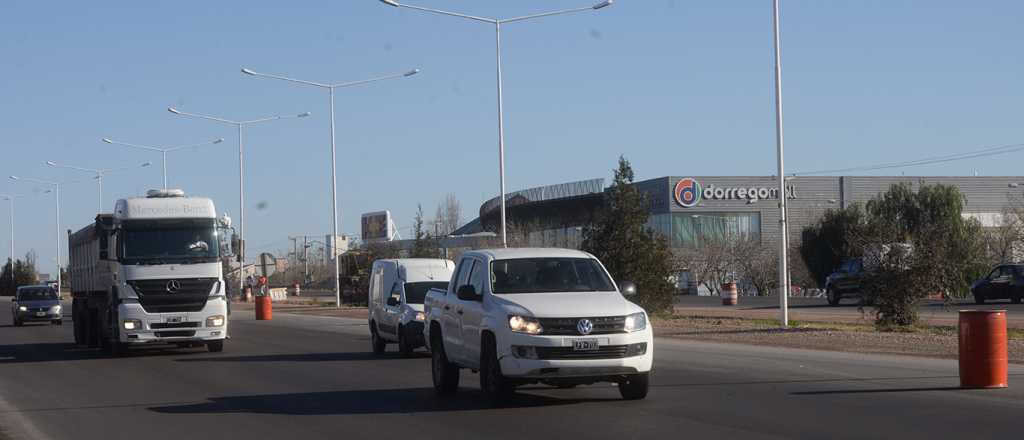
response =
{"points": [[150, 273]]}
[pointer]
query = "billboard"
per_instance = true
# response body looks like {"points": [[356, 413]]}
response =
{"points": [[377, 226]]}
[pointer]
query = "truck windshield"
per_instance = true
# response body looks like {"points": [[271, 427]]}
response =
{"points": [[416, 292], [539, 275], [37, 294], [165, 242]]}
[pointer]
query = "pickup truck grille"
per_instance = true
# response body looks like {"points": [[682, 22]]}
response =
{"points": [[567, 326], [606, 352], [191, 294]]}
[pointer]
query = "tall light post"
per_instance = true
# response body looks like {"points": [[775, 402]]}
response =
{"points": [[98, 174], [334, 164], [240, 125], [497, 43], [10, 199], [56, 222], [162, 150], [783, 220]]}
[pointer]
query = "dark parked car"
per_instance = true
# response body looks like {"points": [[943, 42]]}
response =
{"points": [[845, 282], [36, 303], [1006, 281]]}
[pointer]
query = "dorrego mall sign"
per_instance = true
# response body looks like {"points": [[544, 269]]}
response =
{"points": [[689, 192]]}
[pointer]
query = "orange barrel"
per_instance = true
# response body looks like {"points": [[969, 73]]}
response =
{"points": [[264, 308], [730, 295], [983, 359]]}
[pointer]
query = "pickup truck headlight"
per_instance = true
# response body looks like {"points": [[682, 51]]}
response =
{"points": [[524, 324], [635, 322], [420, 316]]}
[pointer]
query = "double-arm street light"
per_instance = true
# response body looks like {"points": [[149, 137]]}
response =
{"points": [[783, 218], [334, 164], [162, 150], [497, 39], [56, 223], [98, 174], [241, 175]]}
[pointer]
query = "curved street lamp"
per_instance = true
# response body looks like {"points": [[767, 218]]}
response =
{"points": [[98, 174], [162, 150]]}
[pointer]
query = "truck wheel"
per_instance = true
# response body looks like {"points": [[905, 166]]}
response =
{"points": [[377, 343], [444, 373], [635, 386], [833, 297], [494, 384], [215, 346], [404, 345]]}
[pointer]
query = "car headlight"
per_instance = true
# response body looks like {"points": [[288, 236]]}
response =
{"points": [[635, 322], [215, 321], [524, 324], [22, 308], [420, 316], [55, 309], [132, 324]]}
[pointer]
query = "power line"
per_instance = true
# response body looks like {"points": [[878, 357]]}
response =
{"points": [[989, 151]]}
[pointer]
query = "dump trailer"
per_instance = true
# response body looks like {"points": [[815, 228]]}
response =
{"points": [[151, 273]]}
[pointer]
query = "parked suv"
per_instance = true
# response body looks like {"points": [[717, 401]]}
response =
{"points": [[36, 303], [1006, 281], [551, 316], [845, 282]]}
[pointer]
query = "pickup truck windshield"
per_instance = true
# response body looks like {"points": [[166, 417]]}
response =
{"points": [[167, 242], [542, 275], [416, 292], [37, 294]]}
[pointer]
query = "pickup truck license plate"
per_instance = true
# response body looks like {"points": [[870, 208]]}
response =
{"points": [[585, 345], [40, 313], [175, 319]]}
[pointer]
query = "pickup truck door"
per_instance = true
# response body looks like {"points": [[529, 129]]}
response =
{"points": [[471, 316], [451, 320]]}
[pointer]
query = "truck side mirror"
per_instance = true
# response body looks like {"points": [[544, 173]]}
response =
{"points": [[627, 288], [468, 293]]}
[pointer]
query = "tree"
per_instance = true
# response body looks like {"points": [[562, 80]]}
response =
{"points": [[448, 216], [620, 238], [424, 245], [831, 240], [24, 274]]}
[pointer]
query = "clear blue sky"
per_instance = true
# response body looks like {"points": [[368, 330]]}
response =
{"points": [[679, 87]]}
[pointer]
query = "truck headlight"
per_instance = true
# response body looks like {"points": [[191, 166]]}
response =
{"points": [[420, 316], [132, 324], [635, 322], [22, 309], [524, 324], [215, 321]]}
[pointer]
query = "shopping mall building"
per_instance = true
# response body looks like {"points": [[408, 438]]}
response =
{"points": [[686, 208]]}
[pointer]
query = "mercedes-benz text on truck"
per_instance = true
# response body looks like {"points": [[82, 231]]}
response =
{"points": [[150, 273], [551, 316]]}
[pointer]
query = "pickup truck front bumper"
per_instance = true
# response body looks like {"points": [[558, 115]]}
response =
{"points": [[552, 357]]}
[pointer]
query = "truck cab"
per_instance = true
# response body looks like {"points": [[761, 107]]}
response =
{"points": [[150, 273], [551, 316]]}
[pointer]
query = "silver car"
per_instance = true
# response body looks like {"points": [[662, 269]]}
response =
{"points": [[36, 303]]}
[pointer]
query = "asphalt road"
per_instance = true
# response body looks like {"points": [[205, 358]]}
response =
{"points": [[312, 377], [931, 311]]}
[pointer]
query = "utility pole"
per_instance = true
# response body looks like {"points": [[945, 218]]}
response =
{"points": [[305, 259]]}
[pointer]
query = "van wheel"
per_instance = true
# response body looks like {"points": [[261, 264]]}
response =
{"points": [[494, 384], [404, 347], [444, 373], [18, 323], [635, 386], [833, 297], [215, 346], [376, 342]]}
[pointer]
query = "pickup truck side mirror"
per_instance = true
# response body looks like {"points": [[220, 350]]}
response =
{"points": [[627, 288], [468, 293], [392, 301]]}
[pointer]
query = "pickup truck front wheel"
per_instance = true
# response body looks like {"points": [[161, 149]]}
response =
{"points": [[444, 373], [635, 386], [494, 384]]}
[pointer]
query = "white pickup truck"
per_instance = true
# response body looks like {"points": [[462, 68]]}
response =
{"points": [[551, 316]]}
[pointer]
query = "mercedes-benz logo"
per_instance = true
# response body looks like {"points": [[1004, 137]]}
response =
{"points": [[173, 286], [584, 326]]}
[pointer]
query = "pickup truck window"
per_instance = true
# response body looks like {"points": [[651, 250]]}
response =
{"points": [[463, 276], [478, 278], [541, 275], [415, 293]]}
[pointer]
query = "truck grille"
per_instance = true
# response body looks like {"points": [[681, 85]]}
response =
{"points": [[567, 326], [606, 352], [176, 334], [190, 296], [163, 325]]}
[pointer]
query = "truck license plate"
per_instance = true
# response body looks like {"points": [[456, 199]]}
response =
{"points": [[585, 345], [175, 319]]}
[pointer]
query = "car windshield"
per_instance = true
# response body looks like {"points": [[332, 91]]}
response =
{"points": [[416, 292], [37, 294], [169, 242], [540, 275]]}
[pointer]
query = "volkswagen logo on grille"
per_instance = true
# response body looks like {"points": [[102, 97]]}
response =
{"points": [[585, 326], [173, 286]]}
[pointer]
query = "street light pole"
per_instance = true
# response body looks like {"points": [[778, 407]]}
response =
{"points": [[10, 200], [501, 125], [162, 150], [783, 225], [241, 176], [334, 161], [56, 222], [99, 174]]}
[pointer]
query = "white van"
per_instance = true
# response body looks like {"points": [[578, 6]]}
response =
{"points": [[397, 289]]}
